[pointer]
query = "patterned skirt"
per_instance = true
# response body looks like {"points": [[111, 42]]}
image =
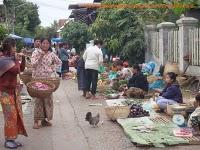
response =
{"points": [[43, 108], [12, 111]]}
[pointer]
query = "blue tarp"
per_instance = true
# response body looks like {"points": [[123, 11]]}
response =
{"points": [[28, 41]]}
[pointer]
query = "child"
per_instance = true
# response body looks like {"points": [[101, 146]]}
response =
{"points": [[196, 113], [81, 75], [171, 94]]}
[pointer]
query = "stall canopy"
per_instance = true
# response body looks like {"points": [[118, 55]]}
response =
{"points": [[15, 36], [56, 40]]}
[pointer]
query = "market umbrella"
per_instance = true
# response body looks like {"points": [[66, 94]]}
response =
{"points": [[28, 41]]}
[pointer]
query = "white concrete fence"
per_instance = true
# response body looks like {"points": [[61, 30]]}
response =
{"points": [[170, 42]]}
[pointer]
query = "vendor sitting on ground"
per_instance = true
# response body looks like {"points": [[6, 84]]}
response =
{"points": [[126, 72], [196, 113], [138, 80], [114, 67], [171, 94]]}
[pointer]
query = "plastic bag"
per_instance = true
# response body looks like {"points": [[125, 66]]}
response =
{"points": [[112, 75], [102, 69]]}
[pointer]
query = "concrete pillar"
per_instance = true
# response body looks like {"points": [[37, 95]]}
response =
{"points": [[185, 24], [148, 36], [164, 28]]}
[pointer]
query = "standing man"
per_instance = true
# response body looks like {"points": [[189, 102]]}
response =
{"points": [[93, 58], [37, 43]]}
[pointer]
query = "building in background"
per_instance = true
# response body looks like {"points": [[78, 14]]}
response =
{"points": [[83, 14], [61, 24]]}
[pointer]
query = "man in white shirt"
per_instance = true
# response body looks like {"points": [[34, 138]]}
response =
{"points": [[93, 58]]}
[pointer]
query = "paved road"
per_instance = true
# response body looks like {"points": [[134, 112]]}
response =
{"points": [[70, 131]]}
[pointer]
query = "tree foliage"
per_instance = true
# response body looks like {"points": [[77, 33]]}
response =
{"points": [[76, 34], [49, 32], [122, 29], [3, 33], [24, 15]]}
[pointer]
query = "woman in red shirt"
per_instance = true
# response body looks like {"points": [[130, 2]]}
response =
{"points": [[10, 67]]}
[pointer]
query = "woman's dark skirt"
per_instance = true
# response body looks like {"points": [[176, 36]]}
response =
{"points": [[65, 67]]}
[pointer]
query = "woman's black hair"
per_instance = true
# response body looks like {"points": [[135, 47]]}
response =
{"points": [[36, 38], [172, 76], [197, 97], [137, 67], [7, 45], [97, 42], [49, 40]]}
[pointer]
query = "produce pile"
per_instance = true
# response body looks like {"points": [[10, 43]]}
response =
{"points": [[40, 86], [109, 91], [137, 111], [130, 102]]}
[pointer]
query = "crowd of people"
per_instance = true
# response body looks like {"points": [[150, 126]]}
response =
{"points": [[46, 60]]}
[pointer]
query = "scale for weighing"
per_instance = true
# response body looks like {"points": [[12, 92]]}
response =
{"points": [[178, 118]]}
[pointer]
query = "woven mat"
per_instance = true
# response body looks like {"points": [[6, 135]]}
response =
{"points": [[160, 136]]}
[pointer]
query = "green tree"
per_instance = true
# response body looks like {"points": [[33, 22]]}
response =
{"points": [[3, 33], [25, 16], [76, 34], [122, 29], [50, 31]]}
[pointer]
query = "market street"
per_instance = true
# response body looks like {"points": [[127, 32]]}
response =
{"points": [[70, 131]]}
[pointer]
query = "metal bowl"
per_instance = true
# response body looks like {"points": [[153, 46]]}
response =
{"points": [[179, 107], [112, 96]]}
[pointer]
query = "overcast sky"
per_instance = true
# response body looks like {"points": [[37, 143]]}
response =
{"points": [[50, 10]]}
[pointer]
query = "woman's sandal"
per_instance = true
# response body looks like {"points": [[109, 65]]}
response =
{"points": [[11, 144]]}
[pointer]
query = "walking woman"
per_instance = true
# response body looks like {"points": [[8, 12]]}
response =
{"points": [[10, 67], [65, 59], [44, 64], [81, 75]]}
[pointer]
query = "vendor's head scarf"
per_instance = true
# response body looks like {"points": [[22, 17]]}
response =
{"points": [[7, 61]]}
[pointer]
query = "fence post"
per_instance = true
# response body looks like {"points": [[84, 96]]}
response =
{"points": [[164, 28], [148, 37], [185, 24]]}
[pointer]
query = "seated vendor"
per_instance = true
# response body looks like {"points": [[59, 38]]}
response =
{"points": [[126, 73], [195, 113], [171, 94], [138, 80], [114, 67]]}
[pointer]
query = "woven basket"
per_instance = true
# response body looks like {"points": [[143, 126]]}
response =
{"points": [[102, 88], [116, 112], [171, 67], [40, 93], [51, 80], [28, 71], [171, 112], [152, 78], [25, 78], [28, 65]]}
